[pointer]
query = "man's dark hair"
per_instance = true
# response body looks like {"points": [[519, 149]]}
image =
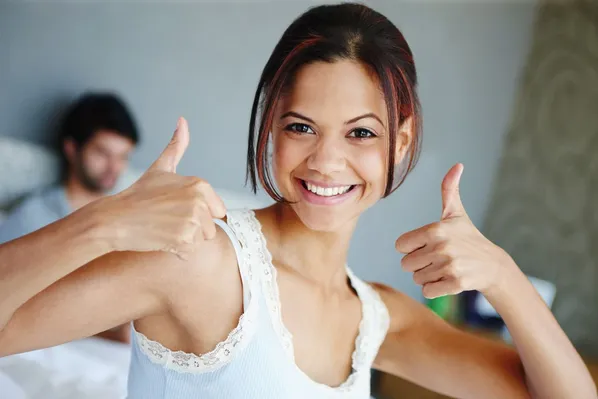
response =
{"points": [[95, 111]]}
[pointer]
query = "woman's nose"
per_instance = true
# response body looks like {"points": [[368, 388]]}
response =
{"points": [[328, 157]]}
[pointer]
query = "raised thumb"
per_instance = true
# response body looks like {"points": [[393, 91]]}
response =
{"points": [[172, 154], [451, 199]]}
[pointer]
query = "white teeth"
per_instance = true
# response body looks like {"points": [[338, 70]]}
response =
{"points": [[327, 191]]}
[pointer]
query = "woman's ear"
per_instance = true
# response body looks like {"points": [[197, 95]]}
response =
{"points": [[404, 137]]}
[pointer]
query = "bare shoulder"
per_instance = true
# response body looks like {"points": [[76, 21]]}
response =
{"points": [[210, 267], [404, 311], [214, 261], [204, 295], [165, 273], [123, 286]]}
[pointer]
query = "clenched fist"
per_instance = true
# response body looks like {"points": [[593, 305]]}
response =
{"points": [[452, 255], [163, 211]]}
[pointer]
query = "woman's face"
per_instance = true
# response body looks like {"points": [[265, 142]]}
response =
{"points": [[330, 144]]}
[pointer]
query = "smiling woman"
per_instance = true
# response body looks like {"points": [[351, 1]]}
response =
{"points": [[372, 47], [261, 304], [338, 141]]}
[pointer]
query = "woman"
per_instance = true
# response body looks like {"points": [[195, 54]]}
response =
{"points": [[261, 304]]}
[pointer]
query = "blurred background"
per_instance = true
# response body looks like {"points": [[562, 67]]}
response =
{"points": [[508, 88]]}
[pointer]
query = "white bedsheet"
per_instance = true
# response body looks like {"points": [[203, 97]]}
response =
{"points": [[91, 368]]}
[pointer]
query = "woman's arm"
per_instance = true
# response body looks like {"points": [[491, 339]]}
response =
{"points": [[31, 263], [553, 368], [109, 291], [117, 288], [452, 256], [161, 212], [422, 348]]}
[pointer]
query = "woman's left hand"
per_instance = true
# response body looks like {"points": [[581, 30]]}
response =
{"points": [[452, 255]]}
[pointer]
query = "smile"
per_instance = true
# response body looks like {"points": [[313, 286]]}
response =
{"points": [[325, 194], [326, 191]]}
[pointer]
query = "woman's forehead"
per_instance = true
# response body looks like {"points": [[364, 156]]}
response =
{"points": [[341, 89]]}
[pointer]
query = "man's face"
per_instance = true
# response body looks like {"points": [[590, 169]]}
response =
{"points": [[99, 163]]}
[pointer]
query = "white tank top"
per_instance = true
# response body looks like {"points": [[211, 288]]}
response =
{"points": [[256, 360]]}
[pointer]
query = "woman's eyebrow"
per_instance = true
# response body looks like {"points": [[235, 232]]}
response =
{"points": [[368, 115], [297, 115], [353, 120]]}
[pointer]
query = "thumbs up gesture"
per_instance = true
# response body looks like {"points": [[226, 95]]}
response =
{"points": [[451, 255], [163, 211]]}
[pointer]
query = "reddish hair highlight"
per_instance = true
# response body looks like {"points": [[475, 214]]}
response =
{"points": [[327, 34]]}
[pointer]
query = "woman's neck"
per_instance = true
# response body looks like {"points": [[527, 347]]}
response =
{"points": [[317, 256]]}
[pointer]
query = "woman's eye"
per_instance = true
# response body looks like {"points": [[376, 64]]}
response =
{"points": [[299, 128], [361, 134]]}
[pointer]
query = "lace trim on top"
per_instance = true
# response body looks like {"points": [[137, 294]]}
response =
{"points": [[372, 327], [270, 291], [224, 351], [377, 326]]}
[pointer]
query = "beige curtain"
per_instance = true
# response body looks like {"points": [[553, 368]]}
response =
{"points": [[544, 209]]}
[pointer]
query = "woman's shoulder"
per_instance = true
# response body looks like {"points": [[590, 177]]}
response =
{"points": [[403, 310], [212, 261], [210, 265], [207, 275]]}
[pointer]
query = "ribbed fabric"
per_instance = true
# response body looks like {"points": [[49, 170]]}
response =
{"points": [[256, 361]]}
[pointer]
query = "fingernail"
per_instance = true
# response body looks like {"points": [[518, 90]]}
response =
{"points": [[178, 123]]}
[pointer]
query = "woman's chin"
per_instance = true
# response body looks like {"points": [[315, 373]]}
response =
{"points": [[324, 219]]}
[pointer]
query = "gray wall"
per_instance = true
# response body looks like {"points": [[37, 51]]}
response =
{"points": [[203, 60], [4, 44]]}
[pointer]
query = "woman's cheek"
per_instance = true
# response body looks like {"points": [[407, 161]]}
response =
{"points": [[370, 165], [282, 159], [284, 162]]}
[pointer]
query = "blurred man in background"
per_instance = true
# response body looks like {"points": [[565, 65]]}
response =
{"points": [[97, 136]]}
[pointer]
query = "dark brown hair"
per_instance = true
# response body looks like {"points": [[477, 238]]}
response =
{"points": [[91, 112], [329, 33]]}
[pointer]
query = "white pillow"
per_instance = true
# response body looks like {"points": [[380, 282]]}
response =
{"points": [[25, 167]]}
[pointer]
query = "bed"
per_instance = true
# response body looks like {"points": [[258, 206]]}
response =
{"points": [[90, 368]]}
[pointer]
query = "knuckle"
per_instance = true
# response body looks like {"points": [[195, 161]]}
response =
{"points": [[201, 207], [436, 231], [445, 249], [450, 270], [196, 184], [448, 251], [203, 185]]}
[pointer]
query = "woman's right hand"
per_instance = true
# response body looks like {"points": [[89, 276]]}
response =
{"points": [[162, 211]]}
